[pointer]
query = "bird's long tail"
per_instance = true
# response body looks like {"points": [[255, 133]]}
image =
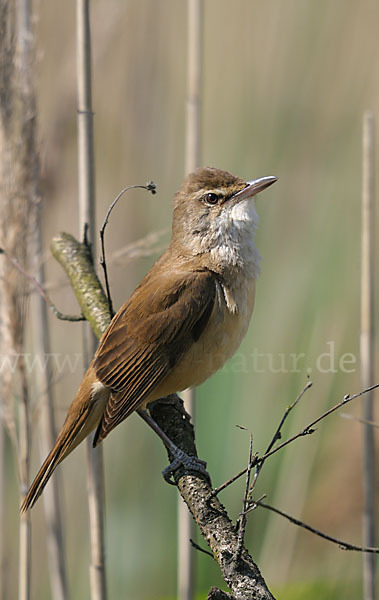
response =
{"points": [[66, 442], [83, 416]]}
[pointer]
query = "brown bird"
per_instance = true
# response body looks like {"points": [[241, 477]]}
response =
{"points": [[184, 320]]}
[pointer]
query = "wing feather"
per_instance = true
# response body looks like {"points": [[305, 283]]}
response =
{"points": [[147, 338]]}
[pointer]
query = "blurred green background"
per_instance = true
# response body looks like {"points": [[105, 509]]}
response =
{"points": [[284, 90]]}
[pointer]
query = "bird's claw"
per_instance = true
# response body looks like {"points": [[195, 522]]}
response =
{"points": [[188, 462]]}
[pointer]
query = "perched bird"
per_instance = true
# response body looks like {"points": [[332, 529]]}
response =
{"points": [[184, 320]]}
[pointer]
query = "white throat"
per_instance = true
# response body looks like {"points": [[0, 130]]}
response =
{"points": [[233, 238]]}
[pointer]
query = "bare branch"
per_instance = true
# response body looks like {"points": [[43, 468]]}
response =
{"points": [[309, 429], [277, 435], [343, 545], [243, 576], [76, 260], [241, 524]]}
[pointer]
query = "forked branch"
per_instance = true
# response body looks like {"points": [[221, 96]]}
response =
{"points": [[308, 430]]}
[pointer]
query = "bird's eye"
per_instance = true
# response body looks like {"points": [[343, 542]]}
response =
{"points": [[211, 198]]}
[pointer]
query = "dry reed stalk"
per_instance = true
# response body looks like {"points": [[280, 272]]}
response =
{"points": [[367, 346], [31, 176], [186, 524], [17, 201], [87, 217], [38, 307], [20, 205], [6, 413], [25, 559], [47, 434]]}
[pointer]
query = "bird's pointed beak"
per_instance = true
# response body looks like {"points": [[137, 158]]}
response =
{"points": [[254, 187]]}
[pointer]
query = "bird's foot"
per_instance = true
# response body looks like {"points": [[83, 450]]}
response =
{"points": [[181, 459]]}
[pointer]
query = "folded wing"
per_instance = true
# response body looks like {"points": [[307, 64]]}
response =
{"points": [[147, 338]]}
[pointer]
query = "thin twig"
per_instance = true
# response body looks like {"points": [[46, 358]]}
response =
{"points": [[40, 290], [277, 435], [243, 516], [151, 187], [343, 545], [309, 429], [197, 547]]}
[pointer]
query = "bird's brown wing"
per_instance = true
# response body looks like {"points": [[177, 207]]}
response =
{"points": [[147, 338]]}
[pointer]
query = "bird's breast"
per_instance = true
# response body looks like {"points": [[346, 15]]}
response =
{"points": [[222, 336]]}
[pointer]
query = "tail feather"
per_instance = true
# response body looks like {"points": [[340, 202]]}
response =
{"points": [[67, 440], [83, 416], [41, 480]]}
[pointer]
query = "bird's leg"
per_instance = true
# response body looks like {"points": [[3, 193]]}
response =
{"points": [[181, 458]]}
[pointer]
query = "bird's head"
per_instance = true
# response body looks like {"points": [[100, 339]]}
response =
{"points": [[214, 212]]}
